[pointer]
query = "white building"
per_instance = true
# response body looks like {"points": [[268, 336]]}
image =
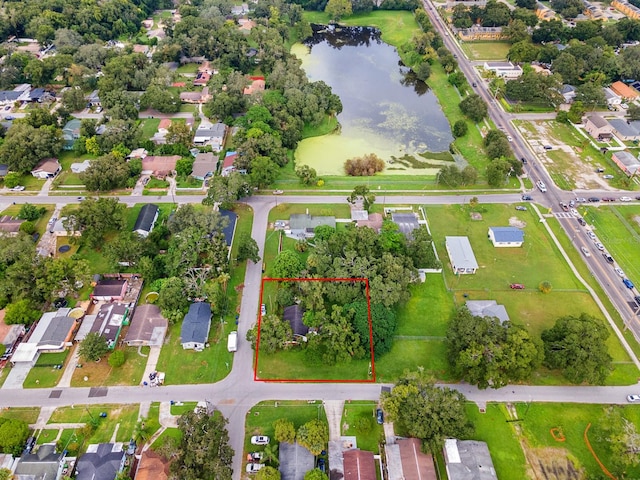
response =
{"points": [[504, 69], [461, 256]]}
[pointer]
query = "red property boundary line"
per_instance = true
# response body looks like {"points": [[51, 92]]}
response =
{"points": [[305, 380]]}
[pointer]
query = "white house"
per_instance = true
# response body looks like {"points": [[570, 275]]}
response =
{"points": [[504, 69], [461, 256], [506, 236], [47, 168]]}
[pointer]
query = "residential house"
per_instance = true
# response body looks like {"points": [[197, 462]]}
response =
{"points": [[246, 25], [468, 460], [137, 153], [159, 138], [53, 333], [159, 165], [451, 4], [461, 256], [359, 465], [598, 127], [40, 95], [19, 94], [202, 78], [302, 225], [568, 92], [613, 100], [110, 290], [194, 333], [148, 327], [294, 461], [627, 8], [506, 70], [373, 220], [506, 236], [624, 91], [71, 133], [228, 164], [407, 223], [110, 320], [230, 226], [627, 162], [487, 309], [415, 464], [144, 49], [257, 85], [593, 12], [152, 467], [10, 225], [80, 167], [58, 229], [43, 464], [46, 168], [93, 100], [239, 10], [146, 220], [196, 97], [210, 135], [625, 130], [101, 461], [204, 166], [478, 33], [293, 315]]}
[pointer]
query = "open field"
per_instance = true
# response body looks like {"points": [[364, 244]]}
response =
{"points": [[486, 50], [101, 373], [359, 420]]}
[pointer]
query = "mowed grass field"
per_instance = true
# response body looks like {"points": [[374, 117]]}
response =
{"points": [[618, 228], [486, 50]]}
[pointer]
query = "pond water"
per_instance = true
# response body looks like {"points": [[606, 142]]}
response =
{"points": [[386, 110]]}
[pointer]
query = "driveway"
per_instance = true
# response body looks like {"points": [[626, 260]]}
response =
{"points": [[16, 377]]}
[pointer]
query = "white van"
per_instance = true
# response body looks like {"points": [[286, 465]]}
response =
{"points": [[232, 342]]}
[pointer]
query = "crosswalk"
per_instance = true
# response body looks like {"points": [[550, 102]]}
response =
{"points": [[562, 215]]}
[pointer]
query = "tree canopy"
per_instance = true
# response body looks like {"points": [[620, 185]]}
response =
{"points": [[93, 347], [314, 436]]}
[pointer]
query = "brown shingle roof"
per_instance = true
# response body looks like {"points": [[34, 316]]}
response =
{"points": [[152, 467], [415, 464], [359, 465], [147, 326]]}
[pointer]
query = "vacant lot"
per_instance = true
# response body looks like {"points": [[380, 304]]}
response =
{"points": [[486, 50], [359, 420], [101, 373]]}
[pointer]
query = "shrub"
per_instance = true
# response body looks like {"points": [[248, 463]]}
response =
{"points": [[116, 359], [28, 227], [365, 166], [545, 287], [460, 129]]}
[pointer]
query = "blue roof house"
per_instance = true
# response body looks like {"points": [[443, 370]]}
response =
{"points": [[506, 236]]}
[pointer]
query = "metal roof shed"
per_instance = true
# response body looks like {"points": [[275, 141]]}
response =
{"points": [[461, 256]]}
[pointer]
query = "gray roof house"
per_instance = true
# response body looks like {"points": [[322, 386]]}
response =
{"points": [[293, 315], [195, 327], [204, 166], [44, 464], [487, 309], [146, 219], [148, 327], [295, 461], [71, 133], [468, 460], [407, 222], [627, 162], [302, 225], [102, 461], [625, 130], [506, 236], [461, 256], [212, 134], [598, 127]]}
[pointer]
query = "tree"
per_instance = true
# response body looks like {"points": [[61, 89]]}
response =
{"points": [[576, 112], [314, 436], [161, 99], [59, 277], [287, 264], [116, 359], [179, 133], [172, 296], [24, 146], [73, 99], [30, 212], [12, 179], [362, 194], [21, 312], [13, 434], [425, 411], [248, 249], [488, 353], [268, 473], [337, 9], [126, 249], [383, 326], [226, 190], [460, 129], [263, 171], [106, 173], [545, 287], [315, 474], [95, 218], [306, 174], [270, 454], [633, 112], [497, 172], [93, 347], [204, 450], [275, 333], [365, 166], [577, 346], [184, 166], [623, 439], [5, 474], [474, 107], [421, 250], [284, 430], [422, 71]]}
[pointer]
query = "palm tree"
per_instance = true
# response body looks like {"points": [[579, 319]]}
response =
{"points": [[224, 278], [270, 454]]}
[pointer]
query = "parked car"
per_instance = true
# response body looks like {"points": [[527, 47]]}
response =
{"points": [[633, 398], [8, 107], [591, 235], [628, 283], [607, 177], [259, 440], [278, 192], [527, 198], [637, 299], [599, 170], [607, 257], [619, 271], [517, 286], [581, 221], [254, 467], [593, 199], [18, 188], [255, 456], [322, 464], [585, 251], [625, 199], [572, 203], [379, 416], [548, 147], [521, 208], [608, 199], [9, 117], [600, 246], [574, 212], [31, 442], [581, 199]]}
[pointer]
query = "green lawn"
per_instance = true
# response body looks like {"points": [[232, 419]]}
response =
{"points": [[43, 375], [491, 427], [47, 435], [428, 311], [149, 128], [188, 68], [27, 414], [184, 408], [168, 433], [409, 354], [486, 50], [260, 418], [125, 416], [102, 373], [359, 420]]}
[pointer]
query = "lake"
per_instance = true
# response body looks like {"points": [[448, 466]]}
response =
{"points": [[386, 110]]}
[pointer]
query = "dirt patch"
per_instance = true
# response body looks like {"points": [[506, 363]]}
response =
{"points": [[476, 216], [552, 463], [516, 222]]}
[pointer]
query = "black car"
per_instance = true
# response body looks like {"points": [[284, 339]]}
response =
{"points": [[527, 197], [607, 257], [379, 416], [524, 160], [637, 299], [593, 199], [31, 442]]}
